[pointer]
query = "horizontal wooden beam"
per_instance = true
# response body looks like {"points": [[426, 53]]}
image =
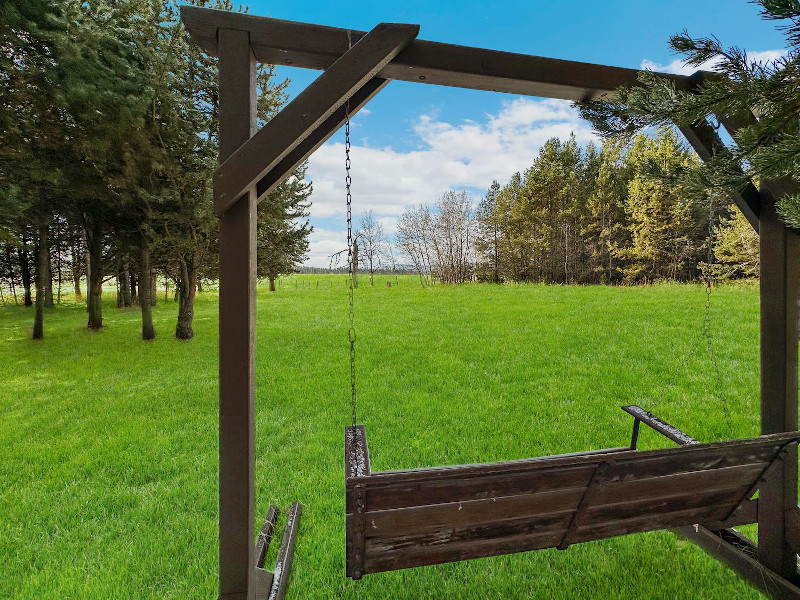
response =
{"points": [[316, 138], [739, 553], [310, 109], [296, 44]]}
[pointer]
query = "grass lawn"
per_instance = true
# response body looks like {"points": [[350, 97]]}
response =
{"points": [[108, 476]]}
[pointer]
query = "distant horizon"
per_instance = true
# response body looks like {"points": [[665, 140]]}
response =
{"points": [[412, 142]]}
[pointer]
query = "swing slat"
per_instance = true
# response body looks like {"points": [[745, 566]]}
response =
{"points": [[402, 519]]}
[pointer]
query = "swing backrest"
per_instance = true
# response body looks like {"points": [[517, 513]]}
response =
{"points": [[410, 518]]}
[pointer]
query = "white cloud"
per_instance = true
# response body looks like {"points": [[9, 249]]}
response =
{"points": [[678, 67], [468, 155], [322, 244]]}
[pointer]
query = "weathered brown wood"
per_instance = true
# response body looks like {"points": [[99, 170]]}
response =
{"points": [[650, 522], [467, 487], [669, 431], [628, 464], [264, 581], [256, 157], [738, 553], [316, 138], [317, 47], [466, 512], [718, 499], [419, 519], [680, 483], [780, 294], [583, 505], [283, 564], [419, 552], [746, 514], [641, 495], [265, 535], [793, 529], [383, 554], [237, 120]]}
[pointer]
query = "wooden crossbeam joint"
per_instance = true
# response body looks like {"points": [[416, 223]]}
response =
{"points": [[776, 460], [310, 109]]}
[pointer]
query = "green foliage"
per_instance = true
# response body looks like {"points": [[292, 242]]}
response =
{"points": [[736, 248], [739, 89], [607, 215], [283, 227], [108, 123]]}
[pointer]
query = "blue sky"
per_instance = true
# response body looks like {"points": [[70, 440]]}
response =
{"points": [[414, 141]]}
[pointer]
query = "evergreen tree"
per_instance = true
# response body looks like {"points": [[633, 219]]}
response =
{"points": [[767, 147], [662, 215], [283, 228]]}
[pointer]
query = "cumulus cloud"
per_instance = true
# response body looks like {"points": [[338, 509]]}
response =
{"points": [[447, 155], [444, 155], [679, 67]]}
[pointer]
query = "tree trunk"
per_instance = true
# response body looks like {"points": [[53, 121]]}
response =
{"points": [[153, 288], [134, 284], [48, 278], [94, 245], [271, 284], [148, 331], [125, 284], [88, 264], [41, 282], [25, 271], [76, 274], [187, 285], [11, 273]]}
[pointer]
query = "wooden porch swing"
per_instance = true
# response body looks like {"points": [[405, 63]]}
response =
{"points": [[416, 517]]}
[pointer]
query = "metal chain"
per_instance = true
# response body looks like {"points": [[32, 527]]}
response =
{"points": [[351, 333]]}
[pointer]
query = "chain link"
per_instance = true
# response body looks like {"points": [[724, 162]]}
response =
{"points": [[351, 333]]}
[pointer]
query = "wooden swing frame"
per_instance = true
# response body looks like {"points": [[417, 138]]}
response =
{"points": [[356, 66]]}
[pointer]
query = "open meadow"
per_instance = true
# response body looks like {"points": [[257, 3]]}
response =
{"points": [[108, 476]]}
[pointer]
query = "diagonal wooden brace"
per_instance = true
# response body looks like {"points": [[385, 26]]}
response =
{"points": [[316, 138], [303, 115], [706, 142]]}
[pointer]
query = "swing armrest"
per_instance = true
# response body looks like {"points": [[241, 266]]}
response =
{"points": [[671, 432]]}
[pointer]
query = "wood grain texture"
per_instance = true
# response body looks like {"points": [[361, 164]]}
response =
{"points": [[310, 109], [311, 46], [428, 516]]}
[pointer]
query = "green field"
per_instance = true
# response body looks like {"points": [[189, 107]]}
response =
{"points": [[108, 475]]}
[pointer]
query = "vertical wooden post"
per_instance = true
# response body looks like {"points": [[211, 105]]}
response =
{"points": [[237, 122], [780, 293]]}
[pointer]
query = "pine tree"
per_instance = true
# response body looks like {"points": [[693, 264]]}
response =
{"points": [[662, 215], [283, 228], [766, 148], [488, 239]]}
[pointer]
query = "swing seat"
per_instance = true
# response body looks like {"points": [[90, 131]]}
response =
{"points": [[416, 517]]}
